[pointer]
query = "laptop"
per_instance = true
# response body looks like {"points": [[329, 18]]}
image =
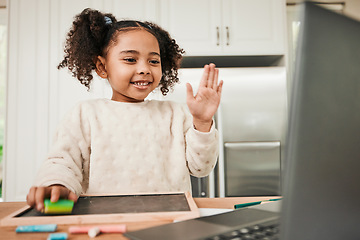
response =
{"points": [[321, 197]]}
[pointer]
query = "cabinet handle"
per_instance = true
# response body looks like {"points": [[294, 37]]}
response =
{"points": [[227, 36], [217, 36]]}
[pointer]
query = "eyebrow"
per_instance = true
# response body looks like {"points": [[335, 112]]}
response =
{"points": [[136, 52]]}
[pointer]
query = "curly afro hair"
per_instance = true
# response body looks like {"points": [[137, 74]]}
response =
{"points": [[91, 34]]}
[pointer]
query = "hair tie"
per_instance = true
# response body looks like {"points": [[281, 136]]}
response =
{"points": [[108, 20]]}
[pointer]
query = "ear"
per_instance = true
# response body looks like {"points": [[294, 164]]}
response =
{"points": [[100, 67]]}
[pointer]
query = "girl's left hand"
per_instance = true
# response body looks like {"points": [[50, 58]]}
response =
{"points": [[207, 99]]}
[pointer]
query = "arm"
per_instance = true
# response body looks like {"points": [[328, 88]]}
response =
{"points": [[62, 173], [202, 146], [202, 150]]}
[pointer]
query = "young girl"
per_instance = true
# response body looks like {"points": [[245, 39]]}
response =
{"points": [[128, 144]]}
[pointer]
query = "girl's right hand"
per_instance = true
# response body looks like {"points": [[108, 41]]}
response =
{"points": [[36, 195]]}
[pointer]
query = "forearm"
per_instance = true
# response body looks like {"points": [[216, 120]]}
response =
{"points": [[202, 151], [60, 172]]}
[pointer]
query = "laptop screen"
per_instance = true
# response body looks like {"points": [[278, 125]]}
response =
{"points": [[321, 195]]}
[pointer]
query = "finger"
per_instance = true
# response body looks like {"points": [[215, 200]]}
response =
{"points": [[30, 198], [216, 79], [210, 80], [55, 193], [67, 194], [39, 198], [205, 76], [189, 92], [219, 88]]}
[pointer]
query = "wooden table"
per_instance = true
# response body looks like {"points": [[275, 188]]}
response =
{"points": [[8, 233]]}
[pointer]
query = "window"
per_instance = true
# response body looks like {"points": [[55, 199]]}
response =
{"points": [[3, 52]]}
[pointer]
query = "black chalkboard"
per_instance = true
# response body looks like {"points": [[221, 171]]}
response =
{"points": [[122, 204]]}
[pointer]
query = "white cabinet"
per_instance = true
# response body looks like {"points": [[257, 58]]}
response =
{"points": [[195, 25], [226, 27], [143, 10]]}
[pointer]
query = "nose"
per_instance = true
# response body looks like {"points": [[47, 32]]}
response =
{"points": [[143, 68]]}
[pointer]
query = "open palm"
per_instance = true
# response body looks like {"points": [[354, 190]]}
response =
{"points": [[205, 103]]}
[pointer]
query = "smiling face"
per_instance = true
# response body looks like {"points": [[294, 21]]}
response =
{"points": [[132, 66]]}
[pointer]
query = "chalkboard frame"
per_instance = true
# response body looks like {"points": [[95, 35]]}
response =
{"points": [[16, 218]]}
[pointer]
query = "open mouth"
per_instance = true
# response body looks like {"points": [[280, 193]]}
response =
{"points": [[140, 83]]}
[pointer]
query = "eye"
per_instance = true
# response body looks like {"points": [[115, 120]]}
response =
{"points": [[154, 61], [130, 60]]}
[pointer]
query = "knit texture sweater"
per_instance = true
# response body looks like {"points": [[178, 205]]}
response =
{"points": [[108, 147]]}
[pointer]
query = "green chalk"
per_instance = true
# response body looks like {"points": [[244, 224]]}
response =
{"points": [[62, 206]]}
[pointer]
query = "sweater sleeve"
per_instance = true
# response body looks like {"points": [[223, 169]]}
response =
{"points": [[202, 149], [68, 160]]}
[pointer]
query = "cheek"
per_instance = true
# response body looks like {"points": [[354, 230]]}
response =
{"points": [[158, 75], [121, 73]]}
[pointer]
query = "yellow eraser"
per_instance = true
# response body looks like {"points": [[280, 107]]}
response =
{"points": [[62, 206]]}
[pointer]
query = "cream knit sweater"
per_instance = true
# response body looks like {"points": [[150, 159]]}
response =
{"points": [[108, 147]]}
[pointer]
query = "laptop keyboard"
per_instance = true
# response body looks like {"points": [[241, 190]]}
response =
{"points": [[262, 231]]}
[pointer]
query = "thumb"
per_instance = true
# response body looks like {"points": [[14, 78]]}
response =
{"points": [[189, 92]]}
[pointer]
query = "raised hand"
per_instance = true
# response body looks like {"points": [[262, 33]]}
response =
{"points": [[207, 99]]}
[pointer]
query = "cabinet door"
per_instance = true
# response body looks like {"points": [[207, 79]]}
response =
{"points": [[195, 25], [143, 10], [253, 27]]}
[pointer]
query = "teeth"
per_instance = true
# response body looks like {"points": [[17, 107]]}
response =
{"points": [[141, 83]]}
